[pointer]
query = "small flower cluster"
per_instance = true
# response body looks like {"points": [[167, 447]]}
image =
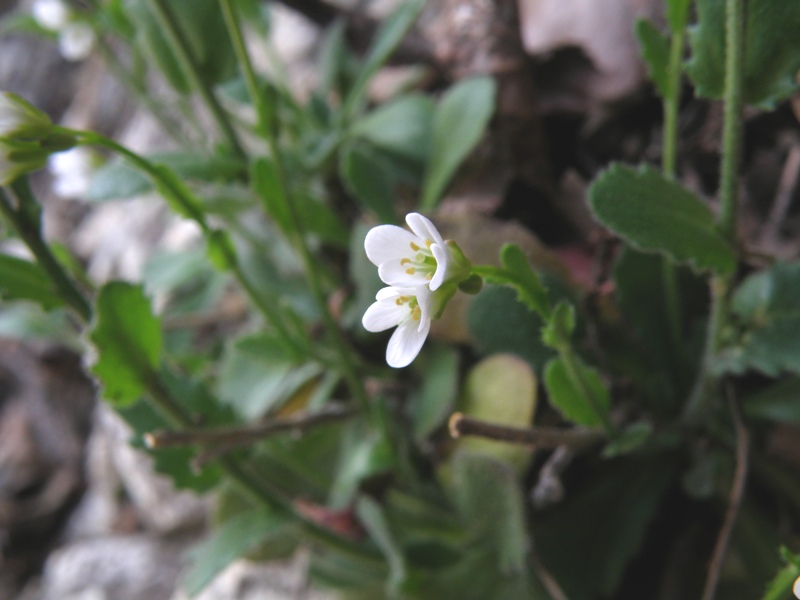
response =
{"points": [[27, 138], [422, 271], [75, 37]]}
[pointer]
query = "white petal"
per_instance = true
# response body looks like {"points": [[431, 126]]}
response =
{"points": [[425, 302], [405, 344], [383, 315], [388, 242], [442, 257], [75, 41], [423, 227], [392, 272]]}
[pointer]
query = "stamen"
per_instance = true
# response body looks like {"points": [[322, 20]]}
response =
{"points": [[429, 276], [411, 271], [405, 261], [414, 247], [416, 313], [428, 243]]}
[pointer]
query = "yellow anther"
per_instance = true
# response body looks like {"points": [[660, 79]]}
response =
{"points": [[428, 243], [416, 313], [414, 247], [405, 261], [429, 276], [411, 270]]}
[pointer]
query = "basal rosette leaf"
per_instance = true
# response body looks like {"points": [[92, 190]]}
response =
{"points": [[656, 214]]}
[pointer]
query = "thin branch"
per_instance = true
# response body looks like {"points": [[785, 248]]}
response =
{"points": [[245, 435], [540, 437], [546, 579], [735, 499]]}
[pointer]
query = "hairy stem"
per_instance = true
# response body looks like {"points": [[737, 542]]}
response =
{"points": [[705, 392]]}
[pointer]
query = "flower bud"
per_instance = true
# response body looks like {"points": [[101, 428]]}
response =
{"points": [[20, 120]]}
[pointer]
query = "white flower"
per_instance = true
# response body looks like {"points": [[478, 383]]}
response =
{"points": [[413, 258], [410, 310], [50, 14], [796, 588], [20, 119], [75, 41]]}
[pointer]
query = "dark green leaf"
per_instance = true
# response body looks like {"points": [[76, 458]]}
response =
{"points": [[369, 179], [267, 186], [656, 214], [655, 51], [401, 127], [768, 304], [435, 398], [372, 517], [233, 539], [499, 323], [631, 438], [458, 124], [772, 50], [574, 398], [600, 527], [127, 337], [489, 499], [24, 280], [220, 250], [320, 220]]}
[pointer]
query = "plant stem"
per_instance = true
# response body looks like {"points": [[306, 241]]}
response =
{"points": [[296, 234], [539, 437], [30, 232], [189, 206], [183, 53], [705, 391], [669, 161], [135, 85]]}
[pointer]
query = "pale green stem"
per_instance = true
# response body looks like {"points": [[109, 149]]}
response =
{"points": [[183, 53], [135, 85], [669, 273], [31, 234], [705, 392], [347, 366], [267, 309]]}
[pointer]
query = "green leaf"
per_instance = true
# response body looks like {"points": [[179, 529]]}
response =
{"points": [[631, 438], [402, 126], [369, 179], [321, 220], [388, 37], [778, 402], [233, 539], [266, 184], [655, 51], [372, 517], [489, 500], [570, 396], [656, 214], [768, 306], [677, 14], [459, 121], [772, 50], [127, 337], [25, 280], [498, 322], [118, 180], [557, 331], [434, 400], [258, 374], [602, 524]]}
